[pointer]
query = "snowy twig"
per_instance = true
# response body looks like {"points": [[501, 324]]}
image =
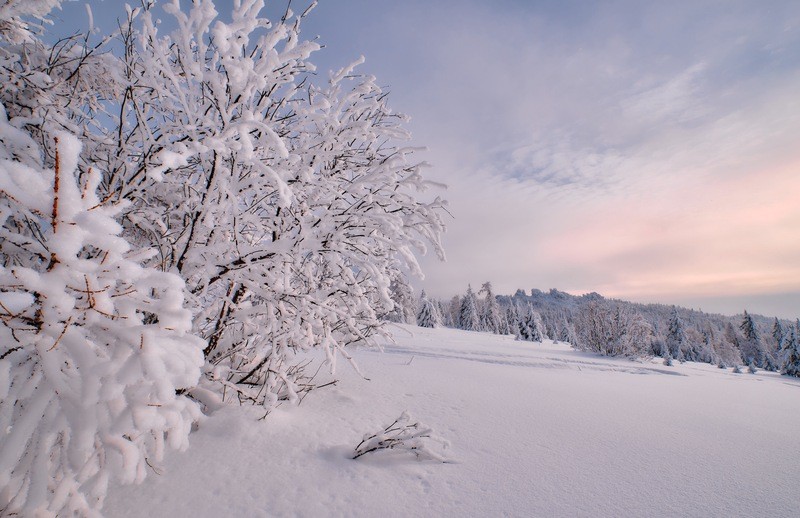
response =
{"points": [[63, 332], [404, 434]]}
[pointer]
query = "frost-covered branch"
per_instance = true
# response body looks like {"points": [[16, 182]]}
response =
{"points": [[404, 434], [88, 388], [286, 207]]}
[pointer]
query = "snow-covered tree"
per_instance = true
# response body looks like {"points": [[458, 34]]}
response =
{"points": [[444, 312], [513, 319], [771, 362], [531, 328], [428, 315], [696, 348], [778, 334], [524, 320], [404, 308], [612, 331], [791, 352], [94, 348], [491, 317], [504, 328], [286, 207], [676, 336], [537, 327], [468, 317], [772, 348], [567, 332], [729, 346], [751, 346], [454, 310]]}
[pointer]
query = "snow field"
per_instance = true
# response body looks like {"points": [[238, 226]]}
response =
{"points": [[535, 430]]}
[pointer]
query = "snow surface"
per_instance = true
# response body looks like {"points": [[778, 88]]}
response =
{"points": [[535, 430]]}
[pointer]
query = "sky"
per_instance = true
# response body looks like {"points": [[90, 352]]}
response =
{"points": [[642, 150]]}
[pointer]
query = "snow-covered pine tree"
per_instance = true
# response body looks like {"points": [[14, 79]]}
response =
{"points": [[778, 334], [454, 310], [697, 349], [94, 348], [490, 316], [504, 328], [772, 348], [513, 319], [444, 312], [468, 318], [728, 346], [404, 309], [676, 336], [531, 328], [536, 326], [428, 315], [771, 361], [751, 347], [568, 333], [791, 351], [524, 319], [565, 330]]}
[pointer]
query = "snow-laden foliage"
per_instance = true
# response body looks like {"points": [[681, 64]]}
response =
{"points": [[404, 310], [513, 318], [612, 331], [491, 316], [676, 337], [530, 325], [287, 208], [750, 344], [15, 17], [468, 316], [791, 351], [94, 348], [404, 434], [428, 315], [50, 88], [778, 334]]}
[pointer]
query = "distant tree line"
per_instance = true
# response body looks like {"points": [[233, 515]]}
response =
{"points": [[611, 327]]}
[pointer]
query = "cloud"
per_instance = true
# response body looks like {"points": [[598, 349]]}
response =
{"points": [[609, 163]]}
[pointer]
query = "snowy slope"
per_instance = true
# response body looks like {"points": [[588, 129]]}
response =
{"points": [[535, 430]]}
